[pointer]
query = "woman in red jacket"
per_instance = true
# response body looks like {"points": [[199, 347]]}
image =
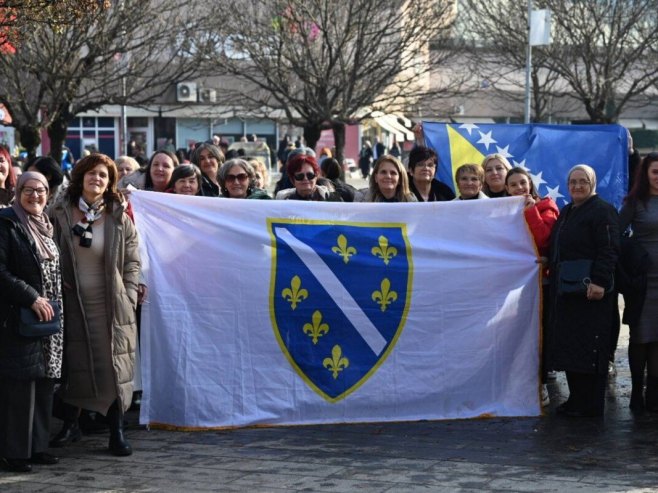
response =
{"points": [[541, 215]]}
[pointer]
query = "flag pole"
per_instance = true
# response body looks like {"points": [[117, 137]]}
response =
{"points": [[528, 67]]}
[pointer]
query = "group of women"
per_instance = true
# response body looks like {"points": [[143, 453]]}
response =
{"points": [[76, 264], [80, 256]]}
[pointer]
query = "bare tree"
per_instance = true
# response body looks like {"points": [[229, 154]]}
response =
{"points": [[496, 36], [126, 52], [325, 63], [603, 54], [605, 50]]}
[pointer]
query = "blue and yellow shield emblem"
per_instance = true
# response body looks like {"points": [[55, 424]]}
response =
{"points": [[339, 297]]}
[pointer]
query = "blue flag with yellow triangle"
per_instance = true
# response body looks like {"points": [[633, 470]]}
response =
{"points": [[548, 152]]}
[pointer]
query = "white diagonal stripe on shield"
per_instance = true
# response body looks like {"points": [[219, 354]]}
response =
{"points": [[336, 291]]}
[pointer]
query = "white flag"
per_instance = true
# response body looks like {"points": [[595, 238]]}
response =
{"points": [[288, 312]]}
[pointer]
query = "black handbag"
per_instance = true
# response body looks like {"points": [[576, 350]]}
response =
{"points": [[30, 326], [573, 277]]}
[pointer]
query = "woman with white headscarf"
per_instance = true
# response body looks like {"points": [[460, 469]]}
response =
{"points": [[586, 234]]}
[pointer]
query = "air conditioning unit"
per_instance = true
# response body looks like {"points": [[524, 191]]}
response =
{"points": [[186, 92], [207, 95]]}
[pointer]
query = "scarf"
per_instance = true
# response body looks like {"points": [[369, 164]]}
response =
{"points": [[39, 226], [91, 213]]}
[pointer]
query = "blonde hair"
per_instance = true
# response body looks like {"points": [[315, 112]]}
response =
{"points": [[491, 157], [402, 192]]}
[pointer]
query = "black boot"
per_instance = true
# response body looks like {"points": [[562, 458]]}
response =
{"points": [[118, 444], [637, 399], [69, 433], [651, 394]]}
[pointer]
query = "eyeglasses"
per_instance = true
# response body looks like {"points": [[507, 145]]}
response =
{"points": [[300, 176], [582, 183], [29, 191], [238, 177]]}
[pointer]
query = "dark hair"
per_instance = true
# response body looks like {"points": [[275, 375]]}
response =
{"points": [[10, 182], [641, 190], [86, 164], [226, 167], [296, 163], [148, 183], [49, 168], [521, 171], [421, 154], [182, 155], [185, 171], [331, 169], [212, 149]]}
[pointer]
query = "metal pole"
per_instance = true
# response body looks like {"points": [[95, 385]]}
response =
{"points": [[124, 120], [528, 68]]}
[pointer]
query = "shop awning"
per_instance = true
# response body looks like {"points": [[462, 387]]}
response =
{"points": [[391, 125]]}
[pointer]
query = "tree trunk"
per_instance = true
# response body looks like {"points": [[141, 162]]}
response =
{"points": [[30, 138], [57, 133], [339, 140], [312, 133]]}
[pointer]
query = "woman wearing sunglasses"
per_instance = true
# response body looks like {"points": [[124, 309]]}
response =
{"points": [[303, 171], [236, 181]]}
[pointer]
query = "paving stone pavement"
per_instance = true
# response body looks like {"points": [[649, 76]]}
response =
{"points": [[618, 453]]}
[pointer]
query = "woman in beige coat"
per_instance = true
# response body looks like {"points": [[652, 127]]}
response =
{"points": [[100, 273]]}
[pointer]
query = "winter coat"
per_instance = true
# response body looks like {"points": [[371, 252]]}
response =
{"points": [[580, 337], [439, 191], [253, 193], [21, 283], [634, 261], [122, 277], [541, 218], [320, 194], [208, 188]]}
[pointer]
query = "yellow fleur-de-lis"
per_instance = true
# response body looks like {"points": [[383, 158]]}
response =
{"points": [[384, 297], [294, 294], [337, 362], [343, 250], [383, 251], [316, 328]]}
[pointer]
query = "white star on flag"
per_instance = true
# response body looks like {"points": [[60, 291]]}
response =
{"points": [[486, 139], [554, 193], [469, 127], [537, 179], [504, 151], [520, 164]]}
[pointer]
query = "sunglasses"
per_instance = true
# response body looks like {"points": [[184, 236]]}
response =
{"points": [[238, 177], [300, 176]]}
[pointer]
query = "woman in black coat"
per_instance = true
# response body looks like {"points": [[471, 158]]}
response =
{"points": [[587, 228], [29, 278]]}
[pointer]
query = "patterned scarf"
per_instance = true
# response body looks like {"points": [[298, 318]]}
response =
{"points": [[91, 213]]}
